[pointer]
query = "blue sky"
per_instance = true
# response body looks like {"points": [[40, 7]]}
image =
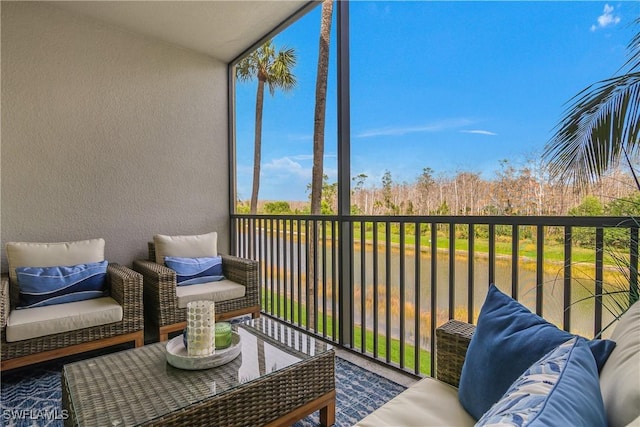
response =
{"points": [[454, 86]]}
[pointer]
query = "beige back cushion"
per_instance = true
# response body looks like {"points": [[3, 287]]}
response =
{"points": [[620, 376], [200, 245], [27, 254]]}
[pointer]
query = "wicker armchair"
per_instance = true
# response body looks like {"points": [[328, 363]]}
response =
{"points": [[125, 286], [161, 301]]}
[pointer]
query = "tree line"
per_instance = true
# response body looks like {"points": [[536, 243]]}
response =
{"points": [[524, 190]]}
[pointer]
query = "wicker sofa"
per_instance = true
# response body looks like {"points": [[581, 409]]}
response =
{"points": [[24, 338], [161, 301], [435, 402]]}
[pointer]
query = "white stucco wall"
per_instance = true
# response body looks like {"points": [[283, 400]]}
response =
{"points": [[107, 133]]}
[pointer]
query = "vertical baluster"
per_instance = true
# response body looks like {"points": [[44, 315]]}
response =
{"points": [[316, 274], [417, 297], [434, 294], [263, 262], [633, 264], [452, 269], [237, 225], [566, 321], [252, 238], [271, 252], [492, 253], [278, 270], [388, 287], [245, 238], [375, 289], [402, 295], [470, 266], [324, 278], [597, 327], [363, 289], [539, 269], [314, 260], [334, 280], [300, 273], [286, 263], [307, 246], [352, 285], [515, 249]]}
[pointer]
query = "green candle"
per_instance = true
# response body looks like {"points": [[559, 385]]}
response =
{"points": [[223, 335]]}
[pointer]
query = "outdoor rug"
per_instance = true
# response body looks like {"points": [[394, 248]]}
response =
{"points": [[31, 396]]}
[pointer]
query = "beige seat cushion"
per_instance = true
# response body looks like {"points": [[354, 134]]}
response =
{"points": [[634, 423], [223, 290], [428, 402], [54, 319], [27, 254], [620, 376], [201, 245]]}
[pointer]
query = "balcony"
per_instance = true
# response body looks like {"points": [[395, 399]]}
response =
{"points": [[118, 123]]}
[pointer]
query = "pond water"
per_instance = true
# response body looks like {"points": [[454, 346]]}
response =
{"points": [[284, 268]]}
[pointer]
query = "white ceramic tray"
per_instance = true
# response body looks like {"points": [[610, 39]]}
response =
{"points": [[177, 354]]}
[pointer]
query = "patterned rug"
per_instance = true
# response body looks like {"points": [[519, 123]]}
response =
{"points": [[31, 396]]}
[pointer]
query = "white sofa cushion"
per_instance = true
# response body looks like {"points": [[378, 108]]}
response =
{"points": [[222, 290], [54, 319], [428, 402], [28, 254], [201, 245], [620, 376]]}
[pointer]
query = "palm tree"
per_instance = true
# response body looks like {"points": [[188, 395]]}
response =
{"points": [[320, 109], [273, 68], [601, 127], [317, 172]]}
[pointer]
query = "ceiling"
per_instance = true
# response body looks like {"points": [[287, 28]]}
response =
{"points": [[221, 29]]}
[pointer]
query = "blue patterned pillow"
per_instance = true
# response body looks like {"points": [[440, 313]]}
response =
{"points": [[40, 286], [191, 271], [562, 388]]}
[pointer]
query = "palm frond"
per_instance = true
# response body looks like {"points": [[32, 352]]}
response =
{"points": [[245, 70], [280, 75], [275, 68], [602, 123]]}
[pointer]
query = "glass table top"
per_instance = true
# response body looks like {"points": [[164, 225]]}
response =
{"points": [[138, 385]]}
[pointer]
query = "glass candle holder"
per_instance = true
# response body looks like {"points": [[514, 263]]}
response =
{"points": [[201, 318]]}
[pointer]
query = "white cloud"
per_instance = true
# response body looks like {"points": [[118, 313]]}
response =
{"points": [[285, 166], [287, 179], [403, 130], [479, 132], [607, 19]]}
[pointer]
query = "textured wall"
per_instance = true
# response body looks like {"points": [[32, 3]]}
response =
{"points": [[107, 134]]}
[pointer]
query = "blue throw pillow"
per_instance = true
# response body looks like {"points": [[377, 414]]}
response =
{"points": [[191, 271], [561, 389], [507, 340], [40, 286]]}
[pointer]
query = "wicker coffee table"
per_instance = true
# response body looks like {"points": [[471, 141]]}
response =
{"points": [[281, 376]]}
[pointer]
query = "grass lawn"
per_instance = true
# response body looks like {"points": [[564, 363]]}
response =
{"points": [[409, 349], [553, 251]]}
